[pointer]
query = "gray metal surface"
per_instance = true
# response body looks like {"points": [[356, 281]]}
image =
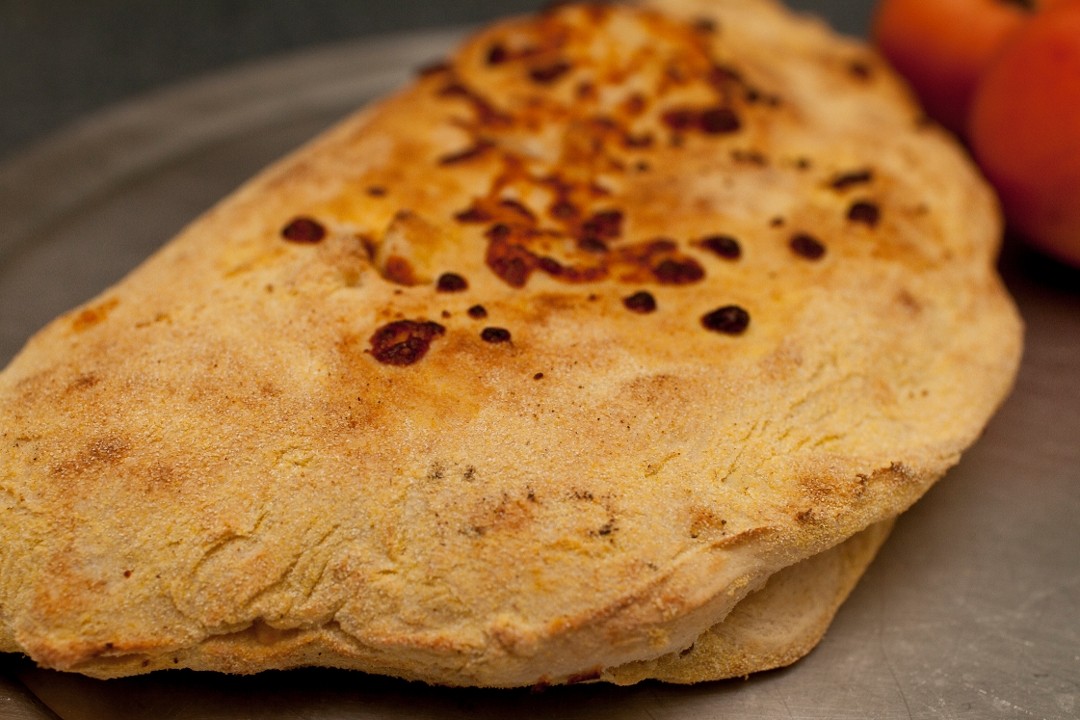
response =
{"points": [[972, 609]]}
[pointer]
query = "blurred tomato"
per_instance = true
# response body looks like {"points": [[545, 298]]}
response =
{"points": [[1024, 128], [942, 46]]}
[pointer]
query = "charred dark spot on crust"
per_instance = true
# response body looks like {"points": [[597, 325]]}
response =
{"points": [[807, 246], [499, 232], [518, 207], [719, 121], [865, 212], [658, 260], [510, 261], [495, 335], [605, 225], [450, 282], [473, 215], [851, 178], [678, 271], [704, 25], [550, 265], [728, 320], [496, 210], [486, 114], [592, 245], [371, 248], [641, 302], [398, 270], [477, 312], [724, 246], [376, 191], [547, 74], [303, 230], [680, 119], [578, 239], [722, 77], [404, 342], [473, 151], [497, 54]]}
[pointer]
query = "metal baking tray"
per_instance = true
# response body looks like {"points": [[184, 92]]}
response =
{"points": [[972, 609]]}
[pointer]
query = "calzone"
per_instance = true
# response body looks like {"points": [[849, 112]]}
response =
{"points": [[530, 373]]}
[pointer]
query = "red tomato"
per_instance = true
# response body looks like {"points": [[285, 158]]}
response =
{"points": [[942, 46], [1025, 129]]}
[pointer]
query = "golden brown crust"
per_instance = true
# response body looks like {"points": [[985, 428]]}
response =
{"points": [[284, 431], [772, 627]]}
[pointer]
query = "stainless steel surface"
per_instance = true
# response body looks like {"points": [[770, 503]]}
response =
{"points": [[16, 701], [972, 609]]}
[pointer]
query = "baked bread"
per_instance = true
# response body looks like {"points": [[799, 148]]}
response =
{"points": [[531, 371]]}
